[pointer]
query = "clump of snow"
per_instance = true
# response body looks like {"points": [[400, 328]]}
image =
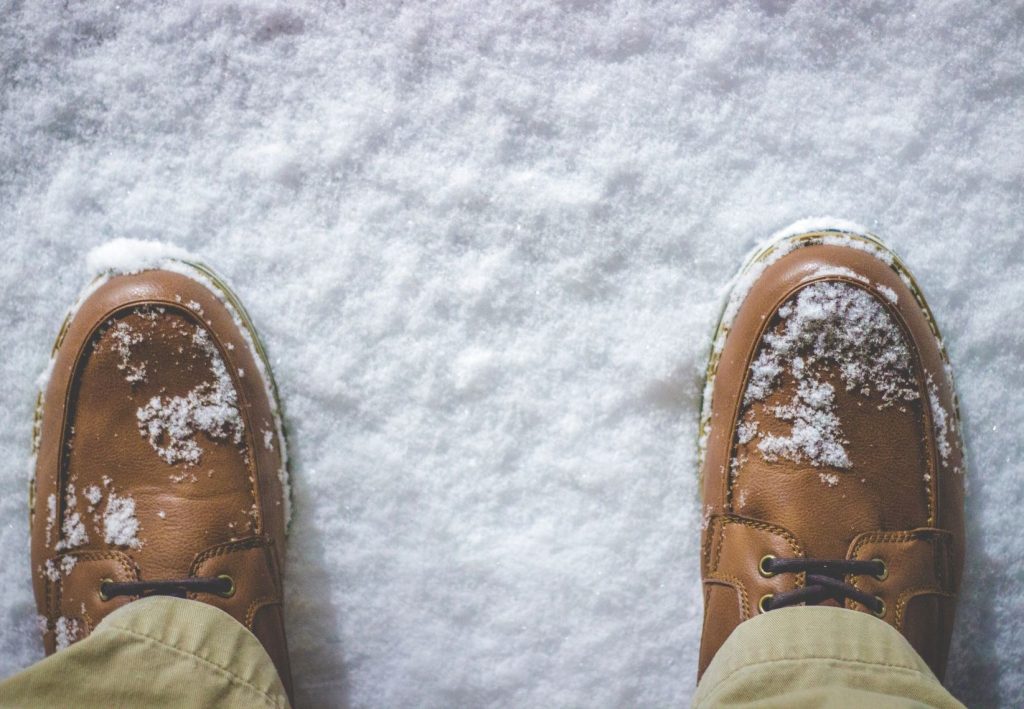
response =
{"points": [[56, 570], [67, 630], [942, 423], [816, 434], [705, 518], [888, 292], [133, 255], [171, 423], [124, 337], [745, 431], [44, 376], [834, 324], [827, 271], [741, 499], [830, 479], [120, 526], [50, 570], [67, 563], [93, 494], [73, 527], [817, 223]]}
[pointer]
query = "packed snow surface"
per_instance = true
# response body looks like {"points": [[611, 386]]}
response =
{"points": [[485, 244]]}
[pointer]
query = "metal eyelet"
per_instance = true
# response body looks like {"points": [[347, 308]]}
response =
{"points": [[881, 611], [231, 589], [760, 566], [104, 582], [885, 570], [765, 600]]}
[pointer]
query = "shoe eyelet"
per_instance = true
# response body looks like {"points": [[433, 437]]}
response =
{"points": [[885, 570], [880, 613], [760, 566], [231, 589], [765, 600], [103, 582]]}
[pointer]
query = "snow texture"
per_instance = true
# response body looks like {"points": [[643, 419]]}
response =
{"points": [[834, 324], [73, 532], [120, 526], [171, 423], [124, 255], [67, 630], [124, 337], [816, 435], [485, 244], [828, 327]]}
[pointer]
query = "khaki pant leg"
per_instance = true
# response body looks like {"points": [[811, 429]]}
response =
{"points": [[154, 652], [818, 656]]}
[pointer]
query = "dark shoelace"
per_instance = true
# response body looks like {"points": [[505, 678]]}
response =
{"points": [[221, 585], [824, 581]]}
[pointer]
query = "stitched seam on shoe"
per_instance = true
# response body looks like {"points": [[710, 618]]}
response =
{"points": [[904, 599], [55, 589], [709, 537], [130, 570], [737, 586], [878, 537], [713, 573], [930, 536], [177, 650], [262, 601], [763, 526], [230, 547], [819, 658], [715, 529]]}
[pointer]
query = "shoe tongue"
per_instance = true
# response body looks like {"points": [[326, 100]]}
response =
{"points": [[829, 464]]}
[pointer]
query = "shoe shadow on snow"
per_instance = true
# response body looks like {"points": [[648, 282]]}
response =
{"points": [[314, 624], [974, 670]]}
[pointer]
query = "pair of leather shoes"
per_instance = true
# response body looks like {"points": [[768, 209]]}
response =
{"points": [[832, 467]]}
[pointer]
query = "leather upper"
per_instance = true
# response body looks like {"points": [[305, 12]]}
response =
{"points": [[159, 456], [862, 476]]}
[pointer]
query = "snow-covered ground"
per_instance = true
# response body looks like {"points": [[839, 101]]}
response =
{"points": [[485, 244]]}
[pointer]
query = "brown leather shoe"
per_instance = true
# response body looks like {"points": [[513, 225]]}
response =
{"points": [[832, 464], [161, 464]]}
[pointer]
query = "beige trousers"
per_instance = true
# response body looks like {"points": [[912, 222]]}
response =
{"points": [[176, 653], [818, 656], [155, 652]]}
